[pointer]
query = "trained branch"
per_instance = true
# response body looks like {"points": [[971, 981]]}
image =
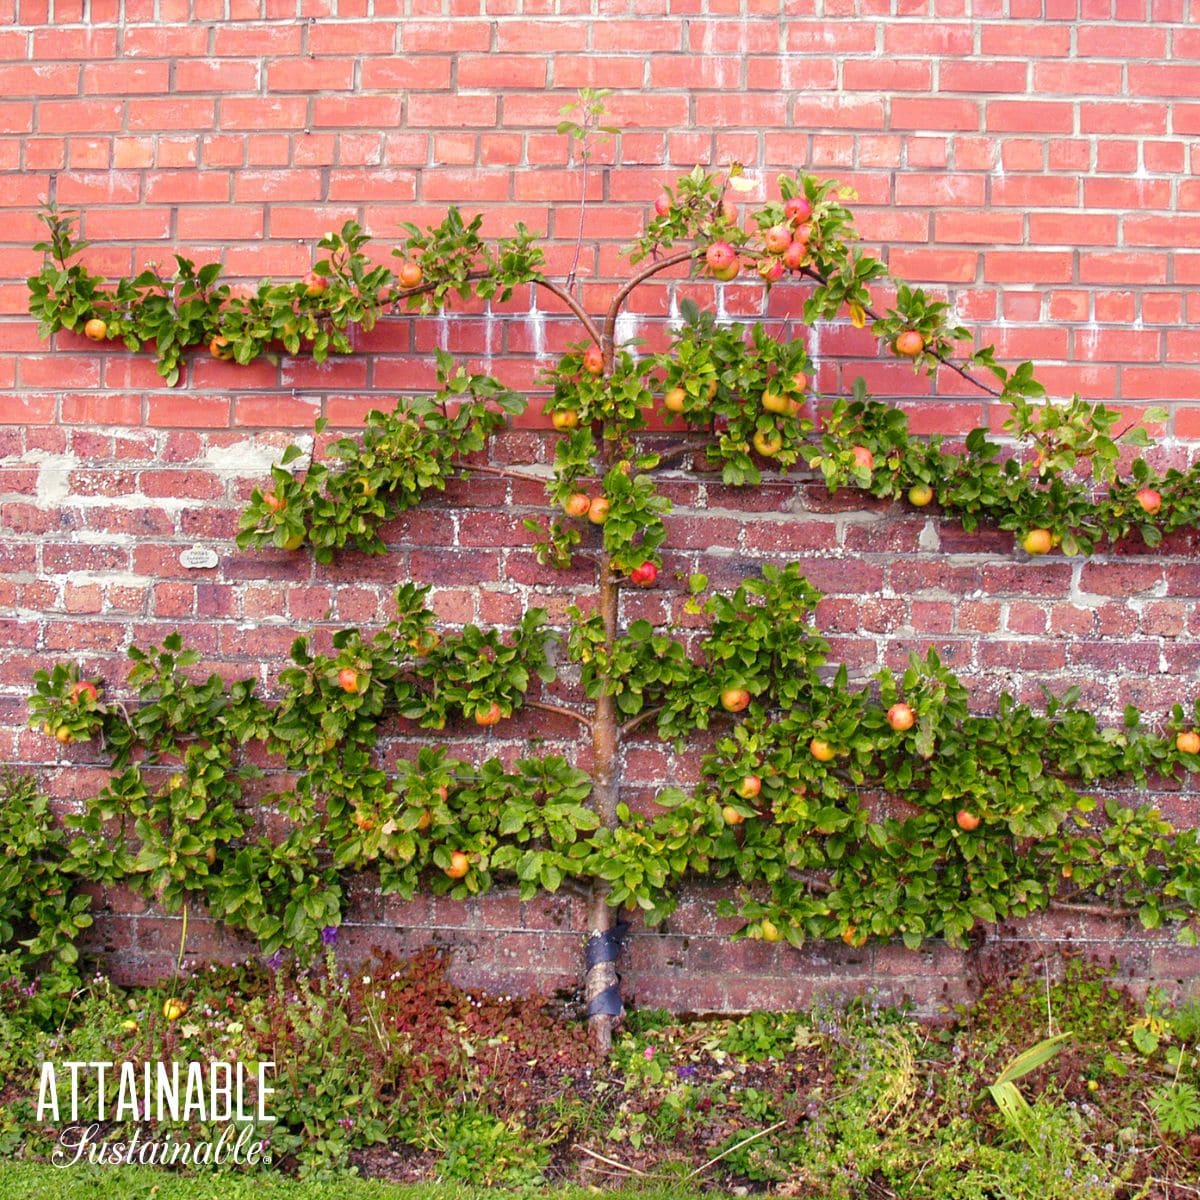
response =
{"points": [[584, 318], [813, 273], [586, 722], [662, 264]]}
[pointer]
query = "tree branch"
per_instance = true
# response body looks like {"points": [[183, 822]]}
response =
{"points": [[506, 472], [556, 289], [682, 449], [560, 711], [1095, 910], [662, 264], [645, 715], [814, 274]]}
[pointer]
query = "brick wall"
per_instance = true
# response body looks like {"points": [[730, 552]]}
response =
{"points": [[1034, 158]]}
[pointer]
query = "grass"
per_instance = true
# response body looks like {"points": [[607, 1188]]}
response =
{"points": [[36, 1181]]}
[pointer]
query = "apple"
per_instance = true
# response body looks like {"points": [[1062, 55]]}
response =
{"points": [[720, 256], [797, 209], [729, 212], [920, 494], [460, 864], [909, 343], [84, 690], [645, 575], [577, 504], [965, 819], [725, 274], [731, 816], [273, 502], [794, 255], [1149, 499], [768, 443], [424, 820], [863, 458], [900, 717], [1037, 541], [750, 787], [776, 402], [662, 204], [800, 382], [598, 510], [564, 418], [822, 751], [95, 329], [63, 736], [488, 716], [314, 284], [347, 679], [770, 270], [173, 1008], [769, 931], [675, 399], [294, 542], [850, 936], [219, 348], [777, 239], [1188, 742], [593, 360], [735, 699], [411, 274]]}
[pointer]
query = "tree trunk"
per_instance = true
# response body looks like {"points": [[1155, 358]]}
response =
{"points": [[602, 988]]}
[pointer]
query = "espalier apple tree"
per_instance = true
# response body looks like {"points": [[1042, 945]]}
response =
{"points": [[827, 810]]}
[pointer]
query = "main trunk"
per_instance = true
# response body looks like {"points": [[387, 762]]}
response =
{"points": [[602, 983]]}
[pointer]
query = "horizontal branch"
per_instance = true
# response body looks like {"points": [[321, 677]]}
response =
{"points": [[561, 711]]}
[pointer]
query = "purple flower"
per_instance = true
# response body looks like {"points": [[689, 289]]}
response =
{"points": [[276, 960], [329, 935], [685, 1072]]}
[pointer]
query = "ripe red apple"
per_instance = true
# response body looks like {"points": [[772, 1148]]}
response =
{"points": [[460, 864], [488, 716], [794, 255], [725, 274], [598, 510], [662, 204], [593, 360], [644, 576], [900, 717], [735, 699], [577, 504], [863, 458], [348, 679], [410, 274], [909, 343], [797, 209], [731, 816], [777, 238], [1149, 499], [720, 256], [83, 690], [273, 502], [314, 284], [770, 270], [966, 820], [1188, 742], [750, 787], [219, 348]]}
